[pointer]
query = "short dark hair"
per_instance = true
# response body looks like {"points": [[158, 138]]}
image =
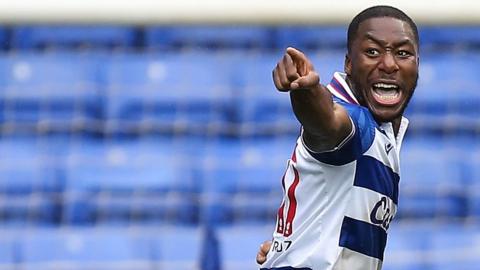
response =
{"points": [[376, 12]]}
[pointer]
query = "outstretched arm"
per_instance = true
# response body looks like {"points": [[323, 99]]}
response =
{"points": [[325, 123]]}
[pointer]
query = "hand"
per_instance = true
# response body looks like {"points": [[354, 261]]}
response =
{"points": [[294, 71], [263, 251]]}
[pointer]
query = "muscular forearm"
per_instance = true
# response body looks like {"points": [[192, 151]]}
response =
{"points": [[313, 108], [325, 124]]}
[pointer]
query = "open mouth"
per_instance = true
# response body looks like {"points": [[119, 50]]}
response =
{"points": [[386, 93]]}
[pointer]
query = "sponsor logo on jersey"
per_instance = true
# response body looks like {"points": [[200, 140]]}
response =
{"points": [[382, 213]]}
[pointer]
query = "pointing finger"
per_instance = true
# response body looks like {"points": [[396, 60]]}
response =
{"points": [[295, 53], [290, 68], [301, 61]]}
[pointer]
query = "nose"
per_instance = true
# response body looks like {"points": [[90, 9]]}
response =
{"points": [[388, 63]]}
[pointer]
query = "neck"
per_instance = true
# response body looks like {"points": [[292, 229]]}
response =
{"points": [[396, 125], [354, 91]]}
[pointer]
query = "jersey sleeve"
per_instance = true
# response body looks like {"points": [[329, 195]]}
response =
{"points": [[356, 143]]}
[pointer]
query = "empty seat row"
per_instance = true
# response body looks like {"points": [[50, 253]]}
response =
{"points": [[27, 37], [101, 248], [199, 92], [192, 180], [145, 248], [426, 245], [430, 245], [153, 180], [446, 95], [131, 92]]}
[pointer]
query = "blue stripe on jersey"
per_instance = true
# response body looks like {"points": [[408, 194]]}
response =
{"points": [[363, 237], [346, 154], [362, 140], [374, 175], [286, 268]]}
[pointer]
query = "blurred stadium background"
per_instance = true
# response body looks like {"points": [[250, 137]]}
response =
{"points": [[148, 135]]}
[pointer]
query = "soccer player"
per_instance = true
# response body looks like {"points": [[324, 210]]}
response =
{"points": [[341, 183]]}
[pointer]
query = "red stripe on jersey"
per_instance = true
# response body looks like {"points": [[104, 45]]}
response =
{"points": [[291, 198], [280, 224], [294, 154], [292, 209], [280, 219]]}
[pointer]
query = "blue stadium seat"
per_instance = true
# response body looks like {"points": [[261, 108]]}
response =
{"points": [[311, 37], [168, 91], [432, 183], [30, 182], [242, 180], [471, 159], [71, 37], [28, 163], [178, 248], [129, 182], [239, 245], [448, 35], [261, 109], [84, 249], [50, 92], [447, 96], [9, 253], [214, 37], [327, 62], [432, 245], [455, 247], [407, 245]]}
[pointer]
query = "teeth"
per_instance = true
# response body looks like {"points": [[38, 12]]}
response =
{"points": [[386, 86], [385, 91], [386, 96]]}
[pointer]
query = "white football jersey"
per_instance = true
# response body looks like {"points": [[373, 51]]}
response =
{"points": [[338, 204]]}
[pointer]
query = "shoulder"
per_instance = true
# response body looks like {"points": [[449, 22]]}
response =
{"points": [[360, 115], [364, 127]]}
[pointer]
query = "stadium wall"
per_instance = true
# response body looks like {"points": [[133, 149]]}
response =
{"points": [[221, 11]]}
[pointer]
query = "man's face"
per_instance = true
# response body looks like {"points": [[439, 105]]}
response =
{"points": [[382, 66]]}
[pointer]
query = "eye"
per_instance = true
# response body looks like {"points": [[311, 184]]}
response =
{"points": [[403, 53], [372, 52]]}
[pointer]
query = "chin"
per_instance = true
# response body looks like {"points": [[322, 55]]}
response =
{"points": [[386, 114]]}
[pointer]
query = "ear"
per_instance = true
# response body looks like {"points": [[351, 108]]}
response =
{"points": [[348, 65]]}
